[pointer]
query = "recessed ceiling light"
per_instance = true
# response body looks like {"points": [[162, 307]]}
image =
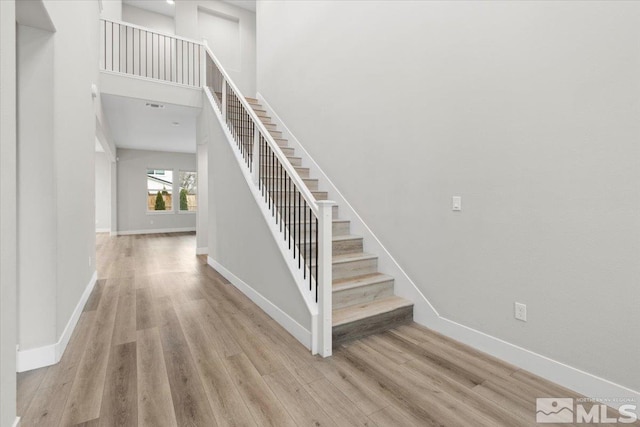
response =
{"points": [[154, 105], [175, 123], [170, 1]]}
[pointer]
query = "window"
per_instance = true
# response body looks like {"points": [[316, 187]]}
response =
{"points": [[159, 189], [188, 199]]}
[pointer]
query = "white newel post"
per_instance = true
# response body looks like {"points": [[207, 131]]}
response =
{"points": [[324, 279]]}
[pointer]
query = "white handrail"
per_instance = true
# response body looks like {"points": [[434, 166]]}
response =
{"points": [[308, 196], [150, 30]]}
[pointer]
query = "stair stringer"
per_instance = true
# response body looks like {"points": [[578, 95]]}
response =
{"points": [[423, 311], [301, 333]]}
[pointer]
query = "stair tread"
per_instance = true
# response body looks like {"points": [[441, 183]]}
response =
{"points": [[337, 238], [359, 256], [362, 311], [358, 281]]}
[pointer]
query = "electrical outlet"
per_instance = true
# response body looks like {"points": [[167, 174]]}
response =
{"points": [[521, 311]]}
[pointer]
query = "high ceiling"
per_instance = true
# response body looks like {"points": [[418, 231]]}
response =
{"points": [[135, 125], [164, 8]]}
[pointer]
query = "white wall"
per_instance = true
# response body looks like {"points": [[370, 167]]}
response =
{"points": [[103, 192], [146, 18], [223, 24], [528, 110], [8, 222], [37, 192], [202, 216], [239, 238], [111, 9], [75, 43], [132, 190]]}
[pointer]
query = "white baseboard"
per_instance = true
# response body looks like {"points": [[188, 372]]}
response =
{"points": [[202, 251], [153, 231], [294, 328], [427, 315], [560, 373], [103, 230], [48, 355], [16, 423]]}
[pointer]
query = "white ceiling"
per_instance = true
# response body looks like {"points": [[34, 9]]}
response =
{"points": [[164, 8], [158, 6], [134, 125]]}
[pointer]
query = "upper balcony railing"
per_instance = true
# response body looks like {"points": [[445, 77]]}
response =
{"points": [[139, 51]]}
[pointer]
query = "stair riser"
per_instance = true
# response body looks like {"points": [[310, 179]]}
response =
{"points": [[362, 294], [339, 228], [372, 325], [345, 270], [293, 196], [337, 247], [275, 133], [303, 172], [295, 161], [294, 211], [312, 184]]}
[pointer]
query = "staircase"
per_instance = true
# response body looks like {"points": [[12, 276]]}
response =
{"points": [[363, 298]]}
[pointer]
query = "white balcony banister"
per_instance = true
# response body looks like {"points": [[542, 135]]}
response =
{"points": [[130, 49]]}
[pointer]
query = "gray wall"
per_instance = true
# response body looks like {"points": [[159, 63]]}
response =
{"points": [[195, 18], [56, 226], [36, 190], [132, 189], [148, 19], [239, 238], [103, 192], [8, 222], [528, 110], [75, 42]]}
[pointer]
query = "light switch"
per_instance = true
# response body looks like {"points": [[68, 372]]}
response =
{"points": [[456, 203]]}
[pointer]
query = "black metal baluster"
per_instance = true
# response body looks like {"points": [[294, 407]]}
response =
{"points": [[295, 225], [287, 229], [288, 212], [299, 228], [317, 259], [112, 47], [309, 264], [304, 243]]}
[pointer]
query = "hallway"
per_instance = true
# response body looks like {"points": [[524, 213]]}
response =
{"points": [[165, 340]]}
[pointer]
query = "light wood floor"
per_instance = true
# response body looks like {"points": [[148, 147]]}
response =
{"points": [[165, 340]]}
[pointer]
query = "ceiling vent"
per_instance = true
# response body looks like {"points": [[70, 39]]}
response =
{"points": [[153, 105]]}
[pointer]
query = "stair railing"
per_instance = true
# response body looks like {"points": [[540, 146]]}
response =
{"points": [[137, 51], [304, 223]]}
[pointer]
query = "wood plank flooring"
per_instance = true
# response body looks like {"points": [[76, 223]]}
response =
{"points": [[165, 340]]}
